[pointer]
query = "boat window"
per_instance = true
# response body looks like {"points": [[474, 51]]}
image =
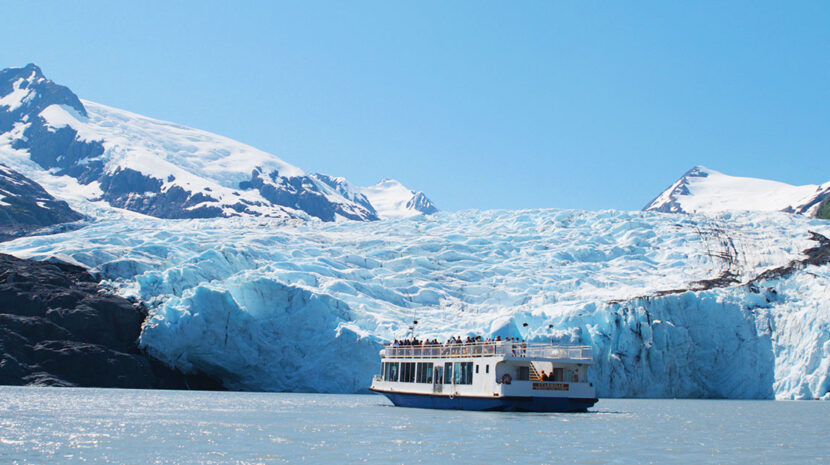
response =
{"points": [[448, 373], [476, 368], [558, 374], [407, 372], [463, 373], [393, 372], [524, 373], [424, 373], [487, 368]]}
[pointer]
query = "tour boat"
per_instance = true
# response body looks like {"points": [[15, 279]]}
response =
{"points": [[498, 375]]}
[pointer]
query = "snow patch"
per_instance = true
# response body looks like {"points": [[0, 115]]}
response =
{"points": [[18, 96]]}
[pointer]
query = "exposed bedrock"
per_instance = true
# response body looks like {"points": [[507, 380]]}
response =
{"points": [[58, 328], [25, 207]]}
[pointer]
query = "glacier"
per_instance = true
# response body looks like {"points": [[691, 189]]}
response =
{"points": [[673, 305]]}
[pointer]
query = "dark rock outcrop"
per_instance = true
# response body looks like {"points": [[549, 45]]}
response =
{"points": [[58, 328], [304, 193], [419, 202], [342, 187], [25, 206]]}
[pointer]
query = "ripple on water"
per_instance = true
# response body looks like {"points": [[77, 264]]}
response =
{"points": [[48, 425]]}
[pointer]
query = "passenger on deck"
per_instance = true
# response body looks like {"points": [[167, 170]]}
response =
{"points": [[543, 376]]}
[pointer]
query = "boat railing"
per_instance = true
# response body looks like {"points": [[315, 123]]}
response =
{"points": [[507, 349]]}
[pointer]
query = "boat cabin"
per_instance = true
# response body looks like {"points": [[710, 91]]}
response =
{"points": [[497, 375]]}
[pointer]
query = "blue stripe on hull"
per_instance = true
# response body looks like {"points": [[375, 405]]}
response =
{"points": [[507, 404]]}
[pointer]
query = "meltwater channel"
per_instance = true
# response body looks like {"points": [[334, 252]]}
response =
{"points": [[67, 425]]}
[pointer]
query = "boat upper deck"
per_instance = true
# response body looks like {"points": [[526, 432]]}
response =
{"points": [[505, 349]]}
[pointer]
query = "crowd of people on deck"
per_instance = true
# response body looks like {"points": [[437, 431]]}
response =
{"points": [[453, 341], [472, 345]]}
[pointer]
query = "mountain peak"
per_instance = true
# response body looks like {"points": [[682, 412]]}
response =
{"points": [[389, 182], [392, 199], [25, 92], [699, 171], [33, 68], [31, 72], [705, 190]]}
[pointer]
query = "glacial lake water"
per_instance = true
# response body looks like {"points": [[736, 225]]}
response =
{"points": [[60, 425]]}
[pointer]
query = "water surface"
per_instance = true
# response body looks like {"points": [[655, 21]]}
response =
{"points": [[60, 425]]}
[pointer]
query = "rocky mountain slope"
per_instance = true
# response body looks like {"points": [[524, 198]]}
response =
{"points": [[83, 150], [702, 190], [26, 207], [58, 328]]}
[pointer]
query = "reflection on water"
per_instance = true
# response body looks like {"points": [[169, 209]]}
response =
{"points": [[52, 425]]}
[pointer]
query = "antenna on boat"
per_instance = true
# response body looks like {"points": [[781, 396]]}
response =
{"points": [[412, 328]]}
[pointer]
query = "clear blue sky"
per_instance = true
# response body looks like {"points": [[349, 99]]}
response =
{"points": [[480, 104]]}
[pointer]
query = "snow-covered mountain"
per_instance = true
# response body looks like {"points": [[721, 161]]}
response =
{"points": [[98, 157], [25, 206], [704, 190], [388, 198], [392, 199], [730, 305]]}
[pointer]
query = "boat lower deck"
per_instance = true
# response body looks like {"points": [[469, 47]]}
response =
{"points": [[506, 404]]}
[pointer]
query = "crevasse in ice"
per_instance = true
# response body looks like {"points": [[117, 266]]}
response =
{"points": [[276, 305]]}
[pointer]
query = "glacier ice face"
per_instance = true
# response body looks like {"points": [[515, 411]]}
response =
{"points": [[292, 305], [237, 332]]}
